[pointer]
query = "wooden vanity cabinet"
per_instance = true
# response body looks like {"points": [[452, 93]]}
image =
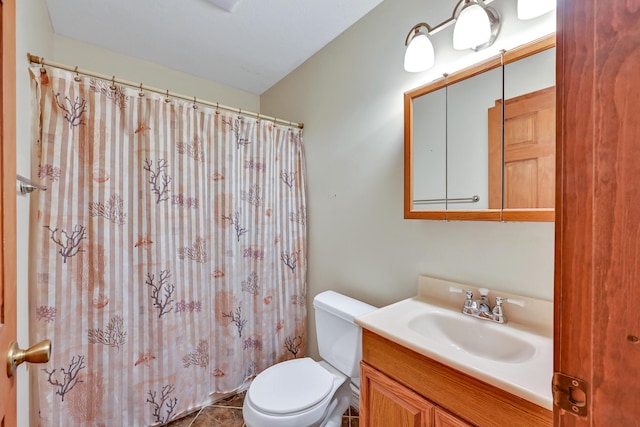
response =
{"points": [[444, 419], [386, 402], [399, 387]]}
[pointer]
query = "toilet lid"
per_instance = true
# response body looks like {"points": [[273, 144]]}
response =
{"points": [[290, 386]]}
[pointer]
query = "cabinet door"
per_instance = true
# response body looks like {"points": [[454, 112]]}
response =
{"points": [[387, 403], [445, 419]]}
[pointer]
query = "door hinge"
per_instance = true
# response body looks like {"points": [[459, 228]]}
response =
{"points": [[570, 394]]}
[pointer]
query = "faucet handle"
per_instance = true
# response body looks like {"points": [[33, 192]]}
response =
{"points": [[500, 300], [468, 294], [469, 303], [498, 314]]}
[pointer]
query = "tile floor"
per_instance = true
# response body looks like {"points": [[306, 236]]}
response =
{"points": [[228, 413]]}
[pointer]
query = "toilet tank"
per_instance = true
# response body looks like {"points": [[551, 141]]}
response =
{"points": [[339, 338]]}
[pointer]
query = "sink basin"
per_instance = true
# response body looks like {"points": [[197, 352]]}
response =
{"points": [[478, 337]]}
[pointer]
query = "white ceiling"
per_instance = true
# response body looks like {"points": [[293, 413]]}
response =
{"points": [[250, 48]]}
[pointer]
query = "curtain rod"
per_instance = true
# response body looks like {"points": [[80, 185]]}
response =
{"points": [[39, 60]]}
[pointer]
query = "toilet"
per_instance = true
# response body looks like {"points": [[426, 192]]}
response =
{"points": [[303, 392]]}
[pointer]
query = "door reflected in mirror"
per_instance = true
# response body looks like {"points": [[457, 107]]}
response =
{"points": [[530, 132]]}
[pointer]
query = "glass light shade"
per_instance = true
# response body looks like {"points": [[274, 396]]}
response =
{"points": [[419, 55], [529, 9], [473, 28]]}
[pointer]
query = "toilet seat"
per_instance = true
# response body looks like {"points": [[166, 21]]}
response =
{"points": [[290, 387]]}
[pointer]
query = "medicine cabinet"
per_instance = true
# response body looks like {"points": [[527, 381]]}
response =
{"points": [[480, 143]]}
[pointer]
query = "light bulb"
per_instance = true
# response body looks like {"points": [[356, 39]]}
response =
{"points": [[472, 29], [419, 55]]}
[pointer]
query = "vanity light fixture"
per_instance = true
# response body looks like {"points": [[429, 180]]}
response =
{"points": [[419, 55], [529, 9], [476, 27]]}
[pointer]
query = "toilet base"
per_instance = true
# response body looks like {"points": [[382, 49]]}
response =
{"points": [[343, 401]]}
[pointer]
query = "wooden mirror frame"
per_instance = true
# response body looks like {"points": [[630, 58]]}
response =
{"points": [[506, 57]]}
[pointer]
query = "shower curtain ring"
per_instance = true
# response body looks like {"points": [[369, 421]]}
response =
{"points": [[77, 77], [166, 99], [44, 79], [217, 108], [141, 93], [195, 107], [113, 83]]}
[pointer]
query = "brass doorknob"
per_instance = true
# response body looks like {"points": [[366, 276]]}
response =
{"points": [[37, 353]]}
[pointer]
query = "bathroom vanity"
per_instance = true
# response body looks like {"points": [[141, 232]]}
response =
{"points": [[417, 371]]}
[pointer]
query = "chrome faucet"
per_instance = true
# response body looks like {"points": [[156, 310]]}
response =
{"points": [[483, 302], [481, 307]]}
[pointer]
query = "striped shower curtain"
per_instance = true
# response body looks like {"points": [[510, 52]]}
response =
{"points": [[168, 251]]}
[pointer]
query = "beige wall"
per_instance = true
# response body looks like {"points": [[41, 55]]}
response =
{"points": [[73, 52], [350, 98]]}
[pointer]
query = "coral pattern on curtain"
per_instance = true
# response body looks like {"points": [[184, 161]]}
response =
{"points": [[169, 251]]}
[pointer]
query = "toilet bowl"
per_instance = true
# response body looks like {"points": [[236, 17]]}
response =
{"points": [[296, 393], [303, 392]]}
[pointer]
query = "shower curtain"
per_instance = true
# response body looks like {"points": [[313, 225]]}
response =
{"points": [[168, 251]]}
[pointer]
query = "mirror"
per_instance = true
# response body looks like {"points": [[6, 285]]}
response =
{"points": [[430, 151], [463, 161], [468, 101], [529, 139]]}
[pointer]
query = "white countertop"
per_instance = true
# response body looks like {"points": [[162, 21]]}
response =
{"points": [[529, 379]]}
